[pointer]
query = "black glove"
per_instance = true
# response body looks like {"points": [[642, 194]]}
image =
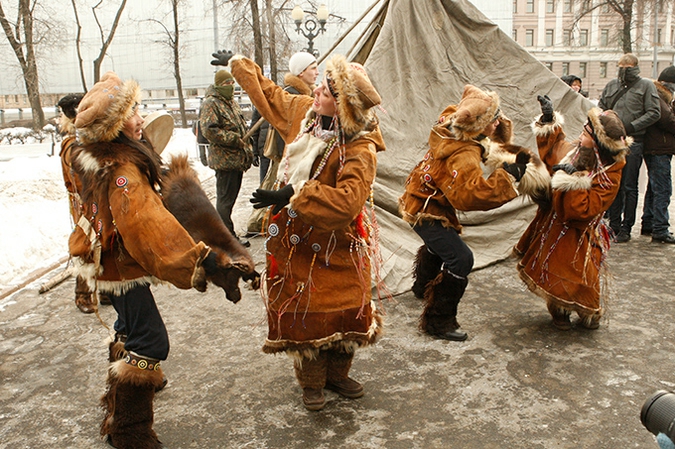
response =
{"points": [[278, 198], [210, 264], [523, 158], [222, 57], [546, 108], [568, 168], [516, 170]]}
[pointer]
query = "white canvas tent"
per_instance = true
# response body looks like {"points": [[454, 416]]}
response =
{"points": [[419, 55]]}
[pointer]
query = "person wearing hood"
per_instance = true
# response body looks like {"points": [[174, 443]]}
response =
{"points": [[119, 246], [575, 84], [300, 80], [223, 125], [465, 169], [563, 251], [658, 153], [636, 102], [321, 234]]}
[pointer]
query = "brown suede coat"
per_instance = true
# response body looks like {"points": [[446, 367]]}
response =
{"points": [[318, 278], [449, 178], [563, 250], [140, 241]]}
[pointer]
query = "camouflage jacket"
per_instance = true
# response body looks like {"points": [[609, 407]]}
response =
{"points": [[223, 125]]}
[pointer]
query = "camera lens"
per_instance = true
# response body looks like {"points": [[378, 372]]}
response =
{"points": [[658, 414]]}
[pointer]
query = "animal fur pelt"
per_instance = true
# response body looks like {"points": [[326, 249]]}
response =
{"points": [[536, 180], [186, 200]]}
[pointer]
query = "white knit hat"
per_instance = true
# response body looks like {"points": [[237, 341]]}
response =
{"points": [[300, 61]]}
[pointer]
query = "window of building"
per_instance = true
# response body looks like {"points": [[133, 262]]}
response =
{"points": [[604, 37], [567, 5], [582, 70], [550, 6], [603, 70], [192, 92], [583, 38], [515, 6], [549, 65], [672, 35], [549, 38], [514, 35], [529, 38], [566, 68], [529, 6], [604, 8], [567, 38], [658, 36], [170, 93]]}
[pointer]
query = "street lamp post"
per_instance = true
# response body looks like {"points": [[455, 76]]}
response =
{"points": [[311, 29]]}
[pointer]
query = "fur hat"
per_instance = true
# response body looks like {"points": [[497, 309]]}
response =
{"points": [[68, 106], [105, 108], [300, 61], [354, 93], [668, 74], [221, 77], [476, 110], [608, 131]]}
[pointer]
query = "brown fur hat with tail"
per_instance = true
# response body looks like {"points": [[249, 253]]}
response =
{"points": [[105, 108], [476, 110], [355, 95], [608, 131]]}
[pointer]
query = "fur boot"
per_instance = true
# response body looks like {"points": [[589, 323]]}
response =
{"points": [[127, 403], [311, 375], [83, 299], [427, 266], [561, 317], [590, 321], [337, 375], [442, 296]]}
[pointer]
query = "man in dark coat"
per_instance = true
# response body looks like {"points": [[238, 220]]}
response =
{"points": [[658, 152]]}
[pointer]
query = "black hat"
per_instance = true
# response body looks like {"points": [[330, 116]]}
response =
{"points": [[668, 74]]}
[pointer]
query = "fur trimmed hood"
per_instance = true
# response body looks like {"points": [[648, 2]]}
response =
{"points": [[105, 108], [608, 132], [476, 110], [355, 95]]}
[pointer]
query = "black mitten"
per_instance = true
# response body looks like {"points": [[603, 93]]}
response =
{"points": [[546, 108], [222, 57], [568, 168], [523, 158], [278, 198], [516, 170]]}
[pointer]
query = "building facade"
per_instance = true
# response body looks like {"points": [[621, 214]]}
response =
{"points": [[590, 47]]}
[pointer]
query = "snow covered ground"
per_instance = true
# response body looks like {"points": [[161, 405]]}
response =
{"points": [[34, 217]]}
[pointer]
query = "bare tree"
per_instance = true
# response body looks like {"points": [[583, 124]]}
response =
{"points": [[105, 41], [20, 37], [78, 42], [257, 33], [624, 8], [172, 41]]}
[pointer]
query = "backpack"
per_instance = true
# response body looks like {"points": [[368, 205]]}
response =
{"points": [[197, 131]]}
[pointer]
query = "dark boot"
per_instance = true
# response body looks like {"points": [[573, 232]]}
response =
{"points": [[128, 404], [83, 299], [337, 376], [427, 266], [442, 296], [561, 317], [311, 375]]}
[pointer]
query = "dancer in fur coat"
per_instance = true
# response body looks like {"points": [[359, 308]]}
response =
{"points": [[120, 247], [319, 248], [471, 165], [563, 250]]}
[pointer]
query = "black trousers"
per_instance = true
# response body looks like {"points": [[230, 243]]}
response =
{"points": [[228, 184], [447, 244], [139, 318]]}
